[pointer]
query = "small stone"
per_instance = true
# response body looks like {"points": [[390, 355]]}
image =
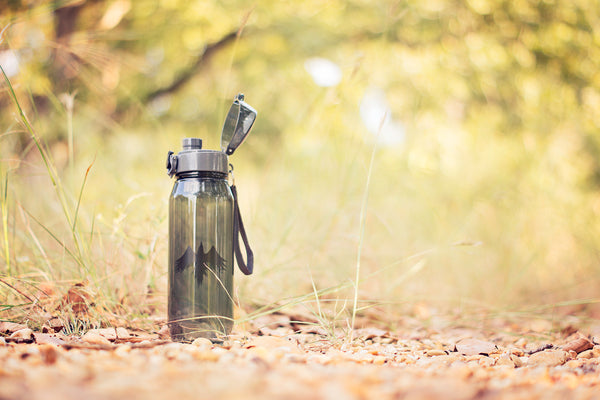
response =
{"points": [[202, 342], [44, 338], [92, 337], [294, 358], [206, 355], [470, 347], [522, 343], [260, 352], [112, 333], [436, 352], [516, 360], [574, 364], [164, 332], [123, 350], [586, 354], [549, 358], [517, 352], [49, 353], [379, 360], [486, 362], [505, 359], [10, 327], [26, 334]]}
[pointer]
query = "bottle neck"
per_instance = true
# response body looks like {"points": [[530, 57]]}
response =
{"points": [[202, 174]]}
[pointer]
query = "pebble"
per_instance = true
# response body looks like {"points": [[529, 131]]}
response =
{"points": [[319, 359], [379, 360], [123, 350], [26, 334], [205, 355], [505, 359], [470, 347], [164, 332], [548, 358], [49, 353], [293, 358], [574, 363], [486, 362], [516, 360], [202, 342], [436, 352], [112, 333], [92, 337], [586, 354]]}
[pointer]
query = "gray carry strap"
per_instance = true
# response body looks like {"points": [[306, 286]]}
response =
{"points": [[238, 230]]}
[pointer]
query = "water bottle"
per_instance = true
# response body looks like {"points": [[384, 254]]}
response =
{"points": [[204, 230]]}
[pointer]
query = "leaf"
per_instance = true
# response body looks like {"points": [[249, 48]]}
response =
{"points": [[578, 345], [77, 298]]}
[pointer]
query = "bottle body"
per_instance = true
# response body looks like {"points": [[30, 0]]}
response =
{"points": [[200, 293]]}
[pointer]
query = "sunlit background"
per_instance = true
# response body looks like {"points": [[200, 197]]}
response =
{"points": [[444, 152]]}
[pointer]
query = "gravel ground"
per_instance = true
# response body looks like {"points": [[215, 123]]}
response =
{"points": [[307, 363]]}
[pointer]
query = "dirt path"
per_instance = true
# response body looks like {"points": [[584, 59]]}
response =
{"points": [[452, 363]]}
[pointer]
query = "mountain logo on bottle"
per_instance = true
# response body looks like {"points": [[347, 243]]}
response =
{"points": [[201, 261]]}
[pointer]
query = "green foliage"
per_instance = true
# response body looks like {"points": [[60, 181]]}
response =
{"points": [[493, 194]]}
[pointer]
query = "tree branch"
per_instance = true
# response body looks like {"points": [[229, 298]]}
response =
{"points": [[209, 50]]}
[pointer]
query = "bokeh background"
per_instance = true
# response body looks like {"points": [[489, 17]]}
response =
{"points": [[443, 152]]}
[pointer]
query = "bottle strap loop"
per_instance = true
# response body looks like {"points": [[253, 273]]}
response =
{"points": [[238, 230]]}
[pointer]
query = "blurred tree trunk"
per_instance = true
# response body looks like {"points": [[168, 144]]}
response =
{"points": [[65, 64]]}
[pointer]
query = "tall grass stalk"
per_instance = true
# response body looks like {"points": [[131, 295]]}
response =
{"points": [[35, 239], [363, 220], [69, 101], [4, 208], [56, 183]]}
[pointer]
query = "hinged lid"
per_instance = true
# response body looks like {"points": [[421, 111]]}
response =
{"points": [[239, 120]]}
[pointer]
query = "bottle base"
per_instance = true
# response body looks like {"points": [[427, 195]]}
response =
{"points": [[187, 331]]}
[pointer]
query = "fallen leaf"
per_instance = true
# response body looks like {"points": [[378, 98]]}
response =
{"points": [[77, 298], [578, 345], [471, 347], [54, 324]]}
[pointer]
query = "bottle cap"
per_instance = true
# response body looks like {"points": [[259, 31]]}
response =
{"points": [[193, 159]]}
